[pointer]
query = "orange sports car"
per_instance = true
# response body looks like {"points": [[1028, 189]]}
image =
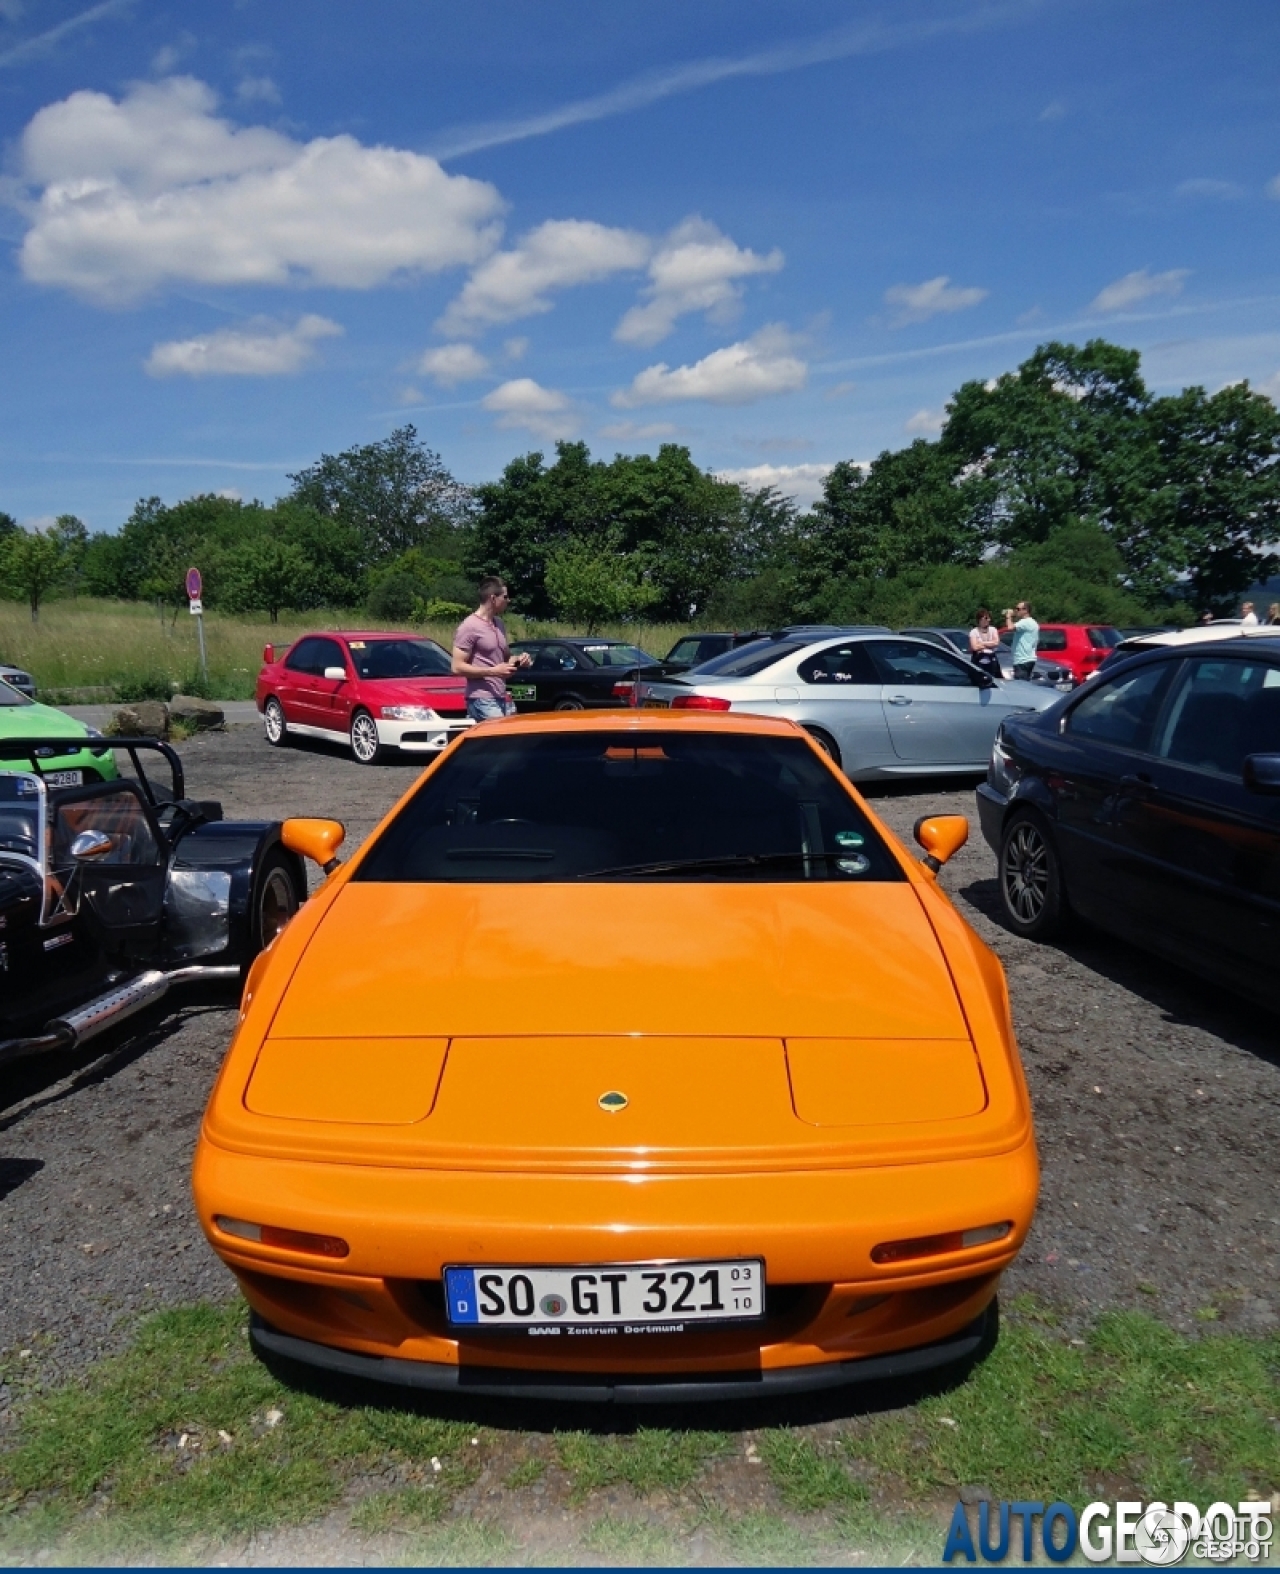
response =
{"points": [[631, 1058]]}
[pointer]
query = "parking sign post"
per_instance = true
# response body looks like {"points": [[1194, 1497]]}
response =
{"points": [[195, 585]]}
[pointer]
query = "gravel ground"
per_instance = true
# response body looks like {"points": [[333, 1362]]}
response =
{"points": [[1156, 1101]]}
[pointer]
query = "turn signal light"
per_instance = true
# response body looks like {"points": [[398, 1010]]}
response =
{"points": [[288, 1240], [938, 1245], [699, 702]]}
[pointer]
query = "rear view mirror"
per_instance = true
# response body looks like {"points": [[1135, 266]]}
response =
{"points": [[942, 836], [91, 844], [1262, 773], [335, 674], [318, 840]]}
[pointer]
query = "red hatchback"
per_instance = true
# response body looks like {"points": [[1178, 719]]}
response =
{"points": [[373, 692], [1081, 646]]}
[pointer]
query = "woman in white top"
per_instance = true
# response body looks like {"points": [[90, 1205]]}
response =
{"points": [[984, 644]]}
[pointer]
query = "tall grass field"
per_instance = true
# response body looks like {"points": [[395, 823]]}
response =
{"points": [[120, 650]]}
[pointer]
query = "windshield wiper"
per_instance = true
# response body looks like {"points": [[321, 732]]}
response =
{"points": [[730, 861]]}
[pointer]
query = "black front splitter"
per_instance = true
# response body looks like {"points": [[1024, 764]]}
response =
{"points": [[628, 1389]]}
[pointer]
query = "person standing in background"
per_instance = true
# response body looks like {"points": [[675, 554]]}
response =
{"points": [[984, 644], [1026, 638], [1248, 617], [481, 654], [1273, 614]]}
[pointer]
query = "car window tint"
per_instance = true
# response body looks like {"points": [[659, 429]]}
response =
{"points": [[839, 664], [685, 650], [552, 658], [1122, 711], [906, 662], [747, 660], [304, 657], [1052, 639], [621, 656], [1220, 712], [329, 653], [1104, 638], [10, 696], [399, 658], [589, 805]]}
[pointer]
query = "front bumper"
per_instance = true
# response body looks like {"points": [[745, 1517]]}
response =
{"points": [[421, 737], [991, 811], [968, 1344]]}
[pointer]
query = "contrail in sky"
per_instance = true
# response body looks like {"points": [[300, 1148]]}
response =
{"points": [[55, 35], [649, 88]]}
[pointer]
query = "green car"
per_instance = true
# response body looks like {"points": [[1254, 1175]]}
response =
{"points": [[24, 718]]}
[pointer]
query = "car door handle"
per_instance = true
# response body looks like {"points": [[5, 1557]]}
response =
{"points": [[899, 699], [1137, 786]]}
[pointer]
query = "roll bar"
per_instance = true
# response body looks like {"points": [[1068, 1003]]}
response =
{"points": [[41, 751]]}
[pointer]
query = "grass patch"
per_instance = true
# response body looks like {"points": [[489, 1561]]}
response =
{"points": [[807, 1479], [527, 1473], [128, 652], [634, 1541], [646, 1462]]}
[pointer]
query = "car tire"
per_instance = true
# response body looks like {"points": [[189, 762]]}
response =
{"points": [[274, 725], [277, 896], [1031, 887], [364, 739], [827, 744], [569, 702]]}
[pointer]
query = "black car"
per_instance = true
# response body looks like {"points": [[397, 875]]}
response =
{"points": [[1148, 803], [113, 891], [577, 674], [691, 650]]}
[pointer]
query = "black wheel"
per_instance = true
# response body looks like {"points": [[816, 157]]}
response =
{"points": [[569, 702], [1031, 889], [274, 725], [277, 895], [364, 739], [826, 743]]}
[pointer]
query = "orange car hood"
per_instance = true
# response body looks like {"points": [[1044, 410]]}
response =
{"points": [[475, 960]]}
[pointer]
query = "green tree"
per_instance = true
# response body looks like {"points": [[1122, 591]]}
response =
{"points": [[395, 493], [265, 574], [8, 524], [589, 584], [32, 564]]}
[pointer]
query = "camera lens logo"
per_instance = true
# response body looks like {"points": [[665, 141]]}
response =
{"points": [[1161, 1537], [553, 1305]]}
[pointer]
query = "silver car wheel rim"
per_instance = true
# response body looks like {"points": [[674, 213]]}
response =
{"points": [[364, 738], [273, 721], [1026, 874]]}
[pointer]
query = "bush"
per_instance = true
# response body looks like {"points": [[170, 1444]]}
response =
{"points": [[440, 611], [394, 598]]}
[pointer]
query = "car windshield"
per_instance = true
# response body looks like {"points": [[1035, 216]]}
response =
{"points": [[399, 658], [747, 660], [619, 655], [630, 805], [10, 696]]}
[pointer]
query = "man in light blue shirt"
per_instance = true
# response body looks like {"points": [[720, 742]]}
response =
{"points": [[1026, 638]]}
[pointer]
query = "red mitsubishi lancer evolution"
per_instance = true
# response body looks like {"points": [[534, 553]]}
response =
{"points": [[372, 692]]}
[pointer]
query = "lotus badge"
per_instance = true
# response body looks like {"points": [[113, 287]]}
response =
{"points": [[612, 1102]]}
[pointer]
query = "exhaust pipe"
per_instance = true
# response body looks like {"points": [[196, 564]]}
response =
{"points": [[77, 1027]]}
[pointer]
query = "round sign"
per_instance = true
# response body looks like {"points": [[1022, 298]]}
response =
{"points": [[194, 583]]}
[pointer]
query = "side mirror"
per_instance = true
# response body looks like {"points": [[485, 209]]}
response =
{"points": [[318, 840], [336, 674], [1262, 773], [91, 844], [942, 836], [268, 654]]}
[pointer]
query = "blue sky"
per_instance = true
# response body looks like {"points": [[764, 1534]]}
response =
{"points": [[238, 233]]}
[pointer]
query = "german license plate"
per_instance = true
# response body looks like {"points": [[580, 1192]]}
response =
{"points": [[64, 778], [523, 691], [656, 705], [632, 1297]]}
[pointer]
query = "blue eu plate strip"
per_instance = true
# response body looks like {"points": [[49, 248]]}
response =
{"points": [[460, 1295]]}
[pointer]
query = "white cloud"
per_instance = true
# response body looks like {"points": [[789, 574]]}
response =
{"points": [[1054, 111], [803, 483], [410, 395], [926, 423], [157, 187], [42, 43], [452, 364], [1138, 286], [1269, 386], [522, 403], [919, 302], [839, 390], [638, 431], [257, 90], [694, 269], [559, 253], [1214, 190], [741, 373], [231, 493], [516, 349], [261, 349]]}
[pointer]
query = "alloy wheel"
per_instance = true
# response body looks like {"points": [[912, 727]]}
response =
{"points": [[1026, 872]]}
